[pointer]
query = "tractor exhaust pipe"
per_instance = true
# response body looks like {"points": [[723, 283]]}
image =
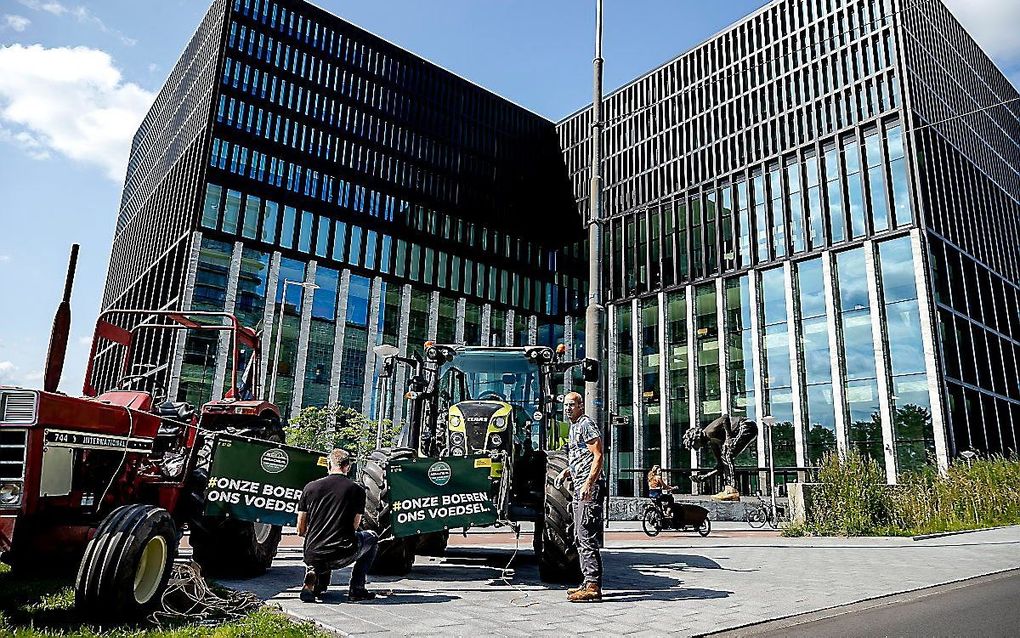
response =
{"points": [[61, 329]]}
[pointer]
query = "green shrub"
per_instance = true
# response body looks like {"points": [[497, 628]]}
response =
{"points": [[851, 499]]}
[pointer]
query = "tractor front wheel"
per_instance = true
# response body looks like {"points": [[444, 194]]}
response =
{"points": [[554, 543], [127, 564], [396, 555]]}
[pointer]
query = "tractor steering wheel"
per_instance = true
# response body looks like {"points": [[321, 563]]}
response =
{"points": [[491, 395]]}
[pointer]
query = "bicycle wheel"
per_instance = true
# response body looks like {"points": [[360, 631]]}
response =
{"points": [[651, 522], [706, 528], [756, 517]]}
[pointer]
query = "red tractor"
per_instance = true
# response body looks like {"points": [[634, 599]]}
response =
{"points": [[113, 479]]}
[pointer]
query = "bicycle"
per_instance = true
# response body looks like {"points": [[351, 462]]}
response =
{"points": [[683, 517], [762, 513]]}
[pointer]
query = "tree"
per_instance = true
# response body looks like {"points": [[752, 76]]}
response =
{"points": [[323, 429]]}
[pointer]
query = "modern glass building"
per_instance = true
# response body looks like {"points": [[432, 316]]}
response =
{"points": [[813, 216], [297, 164]]}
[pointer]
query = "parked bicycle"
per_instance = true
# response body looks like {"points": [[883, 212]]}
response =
{"points": [[663, 514], [762, 512]]}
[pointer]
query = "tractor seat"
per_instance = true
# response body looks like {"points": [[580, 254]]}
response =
{"points": [[182, 410]]}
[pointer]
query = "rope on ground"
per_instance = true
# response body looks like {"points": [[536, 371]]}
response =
{"points": [[506, 573], [188, 598]]}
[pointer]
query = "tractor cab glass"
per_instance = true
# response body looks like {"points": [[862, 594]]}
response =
{"points": [[503, 376]]}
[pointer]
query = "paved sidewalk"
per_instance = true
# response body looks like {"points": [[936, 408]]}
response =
{"points": [[679, 584]]}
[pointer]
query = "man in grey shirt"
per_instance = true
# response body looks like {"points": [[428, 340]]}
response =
{"points": [[585, 465]]}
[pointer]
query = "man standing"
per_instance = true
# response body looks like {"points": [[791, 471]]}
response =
{"points": [[329, 514], [584, 451]]}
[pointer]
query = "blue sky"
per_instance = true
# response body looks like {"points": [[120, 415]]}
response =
{"points": [[76, 78]]}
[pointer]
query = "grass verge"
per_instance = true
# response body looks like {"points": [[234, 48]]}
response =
{"points": [[38, 607]]}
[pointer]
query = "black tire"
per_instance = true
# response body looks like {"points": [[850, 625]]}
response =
{"points": [[433, 544], [555, 550], [706, 528], [231, 548], [396, 555], [651, 521], [127, 564], [756, 517]]}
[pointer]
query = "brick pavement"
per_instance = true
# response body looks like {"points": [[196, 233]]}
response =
{"points": [[679, 584]]}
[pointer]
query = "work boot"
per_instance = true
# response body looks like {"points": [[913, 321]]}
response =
{"points": [[573, 590], [589, 593], [356, 595], [307, 594]]}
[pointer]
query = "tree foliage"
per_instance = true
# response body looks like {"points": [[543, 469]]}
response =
{"points": [[326, 428]]}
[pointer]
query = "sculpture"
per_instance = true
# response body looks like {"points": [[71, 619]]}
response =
{"points": [[726, 438]]}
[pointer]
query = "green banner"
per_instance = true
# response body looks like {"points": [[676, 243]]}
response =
{"points": [[259, 481], [430, 495]]}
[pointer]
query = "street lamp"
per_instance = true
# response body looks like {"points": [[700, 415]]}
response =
{"points": [[384, 351], [307, 285]]}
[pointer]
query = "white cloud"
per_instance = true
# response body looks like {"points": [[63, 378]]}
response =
{"points": [[7, 370], [34, 376], [79, 13], [16, 22], [71, 101], [993, 23], [4, 259]]}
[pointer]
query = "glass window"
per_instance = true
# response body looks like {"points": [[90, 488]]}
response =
{"points": [[269, 213], [322, 237], [837, 219], [305, 237], [354, 256], [876, 181], [289, 220], [231, 212], [855, 187], [211, 209], [902, 213]]}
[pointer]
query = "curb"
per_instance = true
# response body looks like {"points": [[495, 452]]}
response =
{"points": [[924, 537]]}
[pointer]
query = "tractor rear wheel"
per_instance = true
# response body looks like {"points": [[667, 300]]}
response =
{"points": [[230, 547], [396, 555], [127, 564], [433, 544], [558, 561]]}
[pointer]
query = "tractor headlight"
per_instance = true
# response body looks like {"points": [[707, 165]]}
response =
{"points": [[499, 423], [10, 494], [457, 439], [454, 420]]}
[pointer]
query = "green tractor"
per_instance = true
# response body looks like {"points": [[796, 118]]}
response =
{"points": [[498, 405]]}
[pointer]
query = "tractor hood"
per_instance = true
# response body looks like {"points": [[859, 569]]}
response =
{"points": [[480, 426]]}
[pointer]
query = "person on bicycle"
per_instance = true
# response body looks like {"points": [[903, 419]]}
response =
{"points": [[660, 491]]}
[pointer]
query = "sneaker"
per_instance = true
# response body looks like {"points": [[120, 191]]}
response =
{"points": [[356, 595], [590, 593]]}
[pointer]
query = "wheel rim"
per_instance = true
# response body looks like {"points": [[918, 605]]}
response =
{"points": [[650, 523], [150, 569], [262, 532]]}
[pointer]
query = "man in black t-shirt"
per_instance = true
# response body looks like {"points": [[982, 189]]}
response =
{"points": [[329, 514]]}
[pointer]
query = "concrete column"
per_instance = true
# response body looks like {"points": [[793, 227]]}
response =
{"points": [[181, 336], [269, 324], [838, 393], [636, 398], [756, 365], [374, 308], [665, 458], [693, 409], [568, 343], [927, 312], [339, 333], [508, 329], [613, 398], [303, 335], [725, 400], [486, 324], [881, 361], [532, 330], [399, 380], [223, 353], [458, 330], [796, 377], [433, 315]]}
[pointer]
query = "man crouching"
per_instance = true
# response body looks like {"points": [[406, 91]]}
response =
{"points": [[329, 514]]}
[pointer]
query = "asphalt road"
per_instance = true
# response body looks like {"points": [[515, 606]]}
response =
{"points": [[986, 606]]}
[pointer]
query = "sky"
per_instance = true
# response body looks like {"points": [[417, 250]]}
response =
{"points": [[76, 78]]}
